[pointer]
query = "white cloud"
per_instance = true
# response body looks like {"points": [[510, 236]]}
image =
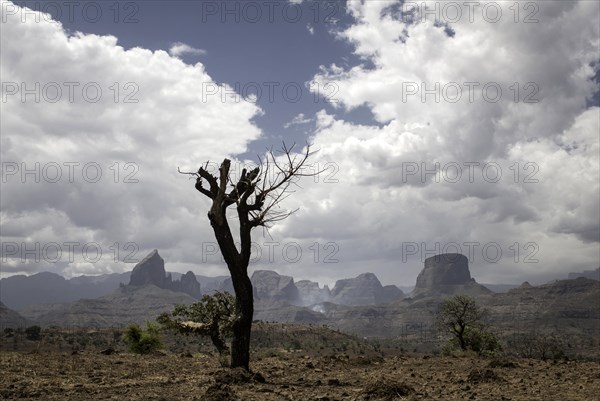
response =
{"points": [[154, 112], [368, 209], [374, 209], [178, 49]]}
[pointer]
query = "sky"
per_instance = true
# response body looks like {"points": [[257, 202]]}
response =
{"points": [[441, 126]]}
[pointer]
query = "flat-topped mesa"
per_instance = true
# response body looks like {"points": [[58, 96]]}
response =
{"points": [[444, 269], [446, 274], [151, 271]]}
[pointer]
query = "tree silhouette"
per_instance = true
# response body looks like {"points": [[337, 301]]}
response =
{"points": [[458, 315], [256, 196]]}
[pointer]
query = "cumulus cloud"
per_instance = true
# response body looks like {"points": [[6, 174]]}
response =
{"points": [[528, 161], [540, 134], [102, 131]]}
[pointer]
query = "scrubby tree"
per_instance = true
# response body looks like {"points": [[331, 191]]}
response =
{"points": [[142, 341], [463, 319], [256, 196], [33, 333], [213, 316]]}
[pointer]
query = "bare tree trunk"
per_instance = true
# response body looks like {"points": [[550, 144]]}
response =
{"points": [[237, 263], [242, 328], [461, 338], [254, 206]]}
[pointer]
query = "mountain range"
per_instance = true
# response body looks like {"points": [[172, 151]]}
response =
{"points": [[359, 305], [22, 292]]}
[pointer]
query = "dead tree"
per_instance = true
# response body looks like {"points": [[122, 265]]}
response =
{"points": [[256, 196]]}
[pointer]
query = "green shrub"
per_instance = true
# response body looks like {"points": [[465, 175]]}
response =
{"points": [[142, 341], [483, 342], [213, 316]]}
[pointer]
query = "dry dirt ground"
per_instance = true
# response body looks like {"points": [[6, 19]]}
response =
{"points": [[290, 376]]}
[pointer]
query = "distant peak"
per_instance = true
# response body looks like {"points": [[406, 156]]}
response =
{"points": [[151, 255]]}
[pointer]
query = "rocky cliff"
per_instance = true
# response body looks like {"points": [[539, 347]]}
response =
{"points": [[151, 271], [447, 274], [362, 290]]}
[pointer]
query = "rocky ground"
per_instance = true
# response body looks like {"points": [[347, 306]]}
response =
{"points": [[285, 375]]}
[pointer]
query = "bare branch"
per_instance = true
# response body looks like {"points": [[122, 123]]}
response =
{"points": [[198, 185], [258, 191], [185, 172]]}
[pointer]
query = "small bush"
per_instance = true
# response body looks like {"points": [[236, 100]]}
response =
{"points": [[142, 341]]}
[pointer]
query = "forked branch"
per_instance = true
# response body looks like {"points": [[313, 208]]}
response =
{"points": [[258, 192]]}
